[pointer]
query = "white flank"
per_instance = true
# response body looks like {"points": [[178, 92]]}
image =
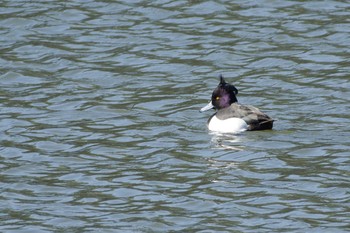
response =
{"points": [[231, 125]]}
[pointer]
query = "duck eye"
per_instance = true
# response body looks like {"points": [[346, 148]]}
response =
{"points": [[217, 97]]}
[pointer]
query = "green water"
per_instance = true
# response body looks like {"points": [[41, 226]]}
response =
{"points": [[101, 132]]}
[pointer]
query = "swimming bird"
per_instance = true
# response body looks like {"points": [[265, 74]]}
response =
{"points": [[232, 117]]}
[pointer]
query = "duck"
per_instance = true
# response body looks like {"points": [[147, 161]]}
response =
{"points": [[232, 117]]}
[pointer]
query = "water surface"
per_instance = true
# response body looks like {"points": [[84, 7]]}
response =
{"points": [[100, 128]]}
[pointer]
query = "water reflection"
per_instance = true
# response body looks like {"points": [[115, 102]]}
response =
{"points": [[100, 129], [227, 141]]}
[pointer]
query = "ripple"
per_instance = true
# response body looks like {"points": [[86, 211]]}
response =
{"points": [[100, 126]]}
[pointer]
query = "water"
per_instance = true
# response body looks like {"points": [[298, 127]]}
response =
{"points": [[100, 128]]}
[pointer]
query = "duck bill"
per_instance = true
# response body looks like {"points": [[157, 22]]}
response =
{"points": [[209, 106]]}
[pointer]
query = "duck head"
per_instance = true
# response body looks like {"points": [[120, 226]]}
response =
{"points": [[223, 96]]}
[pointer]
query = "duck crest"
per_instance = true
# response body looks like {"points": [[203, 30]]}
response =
{"points": [[226, 86]]}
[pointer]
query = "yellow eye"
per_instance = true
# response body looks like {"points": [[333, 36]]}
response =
{"points": [[217, 98]]}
